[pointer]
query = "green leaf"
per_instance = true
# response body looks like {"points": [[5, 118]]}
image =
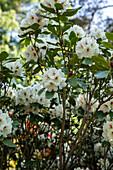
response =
{"points": [[72, 82], [9, 143], [72, 35], [101, 74], [52, 29], [36, 70], [66, 28], [27, 41], [74, 60], [16, 123], [41, 91], [107, 45], [100, 114], [36, 105], [87, 61], [65, 70], [64, 19], [49, 95], [58, 6], [35, 26], [100, 62], [82, 84], [105, 143], [71, 12], [51, 10], [109, 36], [3, 55]]}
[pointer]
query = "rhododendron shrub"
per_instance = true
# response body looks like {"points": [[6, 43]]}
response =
{"points": [[56, 100]]}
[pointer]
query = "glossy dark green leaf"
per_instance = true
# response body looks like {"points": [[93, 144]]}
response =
{"points": [[3, 55], [9, 143], [41, 91], [100, 114], [58, 6], [72, 82], [51, 10], [64, 19], [109, 36], [105, 143], [87, 61], [101, 74], [107, 45], [71, 12], [49, 95], [52, 29]]}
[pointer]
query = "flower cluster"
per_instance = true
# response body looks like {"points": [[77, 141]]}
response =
{"points": [[87, 47], [82, 101], [33, 17], [79, 32], [15, 67], [107, 106], [33, 53], [108, 131], [97, 33], [27, 95], [11, 93], [53, 78], [5, 124], [57, 112], [51, 3]]}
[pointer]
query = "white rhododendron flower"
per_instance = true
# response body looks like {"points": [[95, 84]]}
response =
{"points": [[32, 18], [87, 47], [33, 53], [105, 107], [97, 33], [11, 93], [25, 96], [15, 67], [77, 30], [82, 101], [5, 124], [57, 112], [108, 131], [53, 78], [51, 3]]}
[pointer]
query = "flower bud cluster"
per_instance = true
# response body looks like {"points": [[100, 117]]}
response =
{"points": [[5, 124]]}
